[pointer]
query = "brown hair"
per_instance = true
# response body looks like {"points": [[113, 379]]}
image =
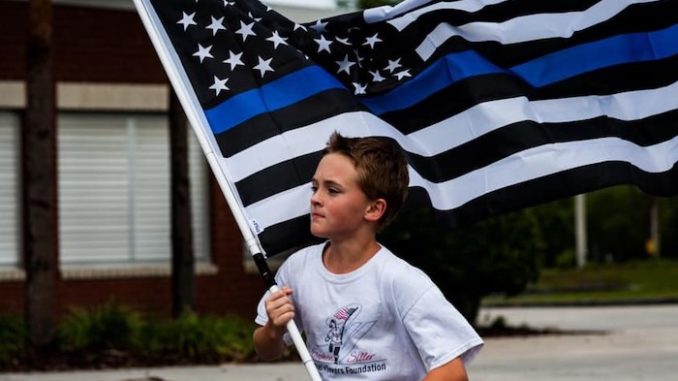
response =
{"points": [[381, 167]]}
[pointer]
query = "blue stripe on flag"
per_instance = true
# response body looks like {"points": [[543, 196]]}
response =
{"points": [[629, 48], [439, 75], [272, 96], [542, 71]]}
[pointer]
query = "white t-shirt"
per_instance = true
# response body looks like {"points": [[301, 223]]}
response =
{"points": [[384, 321]]}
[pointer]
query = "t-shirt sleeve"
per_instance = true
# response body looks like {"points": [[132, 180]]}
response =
{"points": [[439, 331], [262, 317], [281, 278]]}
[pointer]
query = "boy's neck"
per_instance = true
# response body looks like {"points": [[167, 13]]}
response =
{"points": [[344, 256]]}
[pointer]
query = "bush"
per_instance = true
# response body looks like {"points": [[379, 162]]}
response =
{"points": [[201, 339], [12, 338], [110, 326], [113, 335]]}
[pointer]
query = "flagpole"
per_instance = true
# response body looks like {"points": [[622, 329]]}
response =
{"points": [[199, 124]]}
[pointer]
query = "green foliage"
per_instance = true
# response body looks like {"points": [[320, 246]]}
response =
{"points": [[668, 220], [201, 338], [618, 223], [12, 338], [110, 326], [114, 334], [555, 222], [190, 337]]}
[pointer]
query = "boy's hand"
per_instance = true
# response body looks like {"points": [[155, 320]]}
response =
{"points": [[280, 309], [268, 340]]}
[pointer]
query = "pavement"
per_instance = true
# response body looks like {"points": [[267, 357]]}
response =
{"points": [[605, 343]]}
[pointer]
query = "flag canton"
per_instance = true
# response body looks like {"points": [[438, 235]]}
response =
{"points": [[228, 47]]}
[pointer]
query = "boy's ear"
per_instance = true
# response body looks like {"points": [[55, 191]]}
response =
{"points": [[376, 210]]}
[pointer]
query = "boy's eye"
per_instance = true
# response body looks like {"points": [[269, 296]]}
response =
{"points": [[333, 191], [314, 188]]}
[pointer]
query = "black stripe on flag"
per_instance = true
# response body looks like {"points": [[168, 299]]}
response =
{"points": [[288, 236], [303, 113], [553, 187]]}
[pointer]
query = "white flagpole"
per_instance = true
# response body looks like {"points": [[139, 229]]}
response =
{"points": [[196, 117]]}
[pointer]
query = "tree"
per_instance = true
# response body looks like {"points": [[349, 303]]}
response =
{"points": [[39, 142], [494, 256], [183, 264], [668, 222], [619, 223]]}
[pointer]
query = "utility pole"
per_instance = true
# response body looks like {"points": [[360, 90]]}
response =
{"points": [[39, 142], [580, 230]]}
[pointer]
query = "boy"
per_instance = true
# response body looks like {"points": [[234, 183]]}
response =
{"points": [[366, 313]]}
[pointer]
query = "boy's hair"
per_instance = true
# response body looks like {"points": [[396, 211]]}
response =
{"points": [[381, 167]]}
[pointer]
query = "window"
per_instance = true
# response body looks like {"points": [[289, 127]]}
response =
{"points": [[10, 205], [114, 190]]}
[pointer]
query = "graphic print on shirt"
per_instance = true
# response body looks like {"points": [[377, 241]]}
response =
{"points": [[340, 352]]}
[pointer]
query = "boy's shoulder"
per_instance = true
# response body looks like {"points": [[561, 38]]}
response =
{"points": [[402, 274], [405, 283]]}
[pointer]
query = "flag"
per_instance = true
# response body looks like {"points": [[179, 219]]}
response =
{"points": [[499, 104]]}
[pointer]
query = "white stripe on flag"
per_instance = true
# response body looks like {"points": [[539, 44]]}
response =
{"points": [[521, 167], [489, 116], [402, 22], [547, 160], [386, 12], [525, 28], [454, 131], [301, 141]]}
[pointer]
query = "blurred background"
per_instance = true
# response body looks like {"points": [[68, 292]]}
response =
{"points": [[117, 247]]}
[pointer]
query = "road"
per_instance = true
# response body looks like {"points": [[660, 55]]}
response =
{"points": [[638, 343]]}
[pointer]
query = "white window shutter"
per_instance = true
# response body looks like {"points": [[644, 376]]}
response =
{"points": [[200, 198], [94, 194], [10, 205], [150, 174], [114, 190]]}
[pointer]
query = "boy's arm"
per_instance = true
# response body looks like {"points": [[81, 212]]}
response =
{"points": [[268, 342], [452, 371], [268, 339]]}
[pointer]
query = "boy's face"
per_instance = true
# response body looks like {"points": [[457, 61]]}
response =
{"points": [[338, 205]]}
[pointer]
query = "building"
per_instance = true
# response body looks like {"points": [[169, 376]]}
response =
{"points": [[113, 196]]}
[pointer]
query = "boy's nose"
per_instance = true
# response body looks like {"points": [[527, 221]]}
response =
{"points": [[314, 198]]}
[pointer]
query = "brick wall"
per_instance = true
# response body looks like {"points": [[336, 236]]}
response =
{"points": [[97, 45], [13, 36], [90, 45]]}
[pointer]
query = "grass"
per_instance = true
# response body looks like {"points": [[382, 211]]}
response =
{"points": [[649, 281]]}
